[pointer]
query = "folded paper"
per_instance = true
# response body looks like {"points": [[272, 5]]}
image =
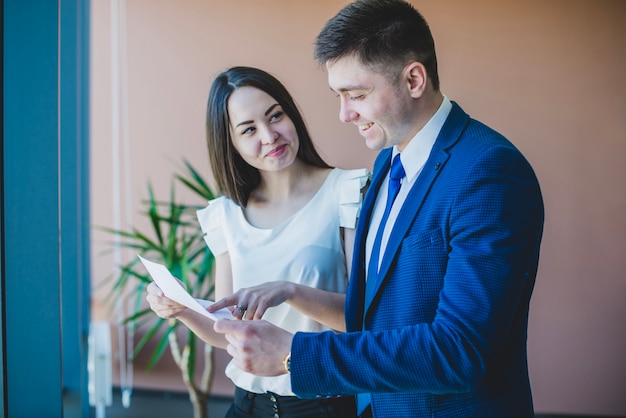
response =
{"points": [[173, 290]]}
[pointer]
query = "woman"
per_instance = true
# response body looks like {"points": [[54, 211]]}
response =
{"points": [[282, 231]]}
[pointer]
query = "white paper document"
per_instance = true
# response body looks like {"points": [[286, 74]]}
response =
{"points": [[173, 290]]}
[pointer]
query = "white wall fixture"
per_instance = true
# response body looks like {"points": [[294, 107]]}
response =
{"points": [[121, 180], [99, 367]]}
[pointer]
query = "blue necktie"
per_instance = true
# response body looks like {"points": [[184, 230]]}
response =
{"points": [[395, 177]]}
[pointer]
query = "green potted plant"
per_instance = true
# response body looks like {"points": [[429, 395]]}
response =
{"points": [[175, 240]]}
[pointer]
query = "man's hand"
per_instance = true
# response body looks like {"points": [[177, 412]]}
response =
{"points": [[257, 347]]}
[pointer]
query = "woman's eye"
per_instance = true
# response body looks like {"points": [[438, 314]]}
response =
{"points": [[276, 116], [247, 131]]}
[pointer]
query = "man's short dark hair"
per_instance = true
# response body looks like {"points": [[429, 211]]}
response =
{"points": [[384, 35]]}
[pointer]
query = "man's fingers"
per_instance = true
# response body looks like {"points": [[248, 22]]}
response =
{"points": [[225, 326], [238, 330]]}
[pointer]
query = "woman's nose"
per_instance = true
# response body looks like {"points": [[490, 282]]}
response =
{"points": [[268, 136]]}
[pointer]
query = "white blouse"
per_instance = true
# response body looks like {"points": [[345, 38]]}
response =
{"points": [[306, 248]]}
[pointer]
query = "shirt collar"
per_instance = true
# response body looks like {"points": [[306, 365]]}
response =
{"points": [[418, 149]]}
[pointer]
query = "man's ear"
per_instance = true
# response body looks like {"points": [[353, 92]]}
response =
{"points": [[416, 77]]}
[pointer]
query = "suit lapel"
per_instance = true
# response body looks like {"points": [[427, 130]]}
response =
{"points": [[410, 209], [449, 135], [356, 289]]}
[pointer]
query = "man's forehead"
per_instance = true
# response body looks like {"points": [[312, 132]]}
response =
{"points": [[349, 74]]}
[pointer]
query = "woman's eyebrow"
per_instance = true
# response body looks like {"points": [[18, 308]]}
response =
{"points": [[267, 112]]}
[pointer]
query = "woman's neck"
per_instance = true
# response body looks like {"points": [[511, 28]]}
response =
{"points": [[277, 186]]}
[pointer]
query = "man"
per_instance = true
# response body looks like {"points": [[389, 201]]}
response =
{"points": [[437, 306]]}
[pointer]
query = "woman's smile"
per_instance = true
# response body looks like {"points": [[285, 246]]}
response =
{"points": [[277, 152]]}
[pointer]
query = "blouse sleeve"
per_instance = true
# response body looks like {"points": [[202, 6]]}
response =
{"points": [[211, 222], [350, 196]]}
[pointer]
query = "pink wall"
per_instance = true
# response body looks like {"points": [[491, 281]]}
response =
{"points": [[548, 75]]}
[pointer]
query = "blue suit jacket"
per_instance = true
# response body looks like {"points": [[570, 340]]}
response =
{"points": [[446, 329]]}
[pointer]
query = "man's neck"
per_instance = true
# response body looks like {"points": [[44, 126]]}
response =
{"points": [[428, 106], [425, 108]]}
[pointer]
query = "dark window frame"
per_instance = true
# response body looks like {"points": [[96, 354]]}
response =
{"points": [[44, 220]]}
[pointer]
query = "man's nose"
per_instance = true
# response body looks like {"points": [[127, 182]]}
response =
{"points": [[346, 113]]}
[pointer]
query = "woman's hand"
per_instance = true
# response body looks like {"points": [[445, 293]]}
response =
{"points": [[252, 302], [163, 306]]}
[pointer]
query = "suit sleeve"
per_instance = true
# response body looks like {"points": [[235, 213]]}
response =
{"points": [[490, 229]]}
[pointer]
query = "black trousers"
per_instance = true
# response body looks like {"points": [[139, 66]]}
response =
{"points": [[269, 405]]}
